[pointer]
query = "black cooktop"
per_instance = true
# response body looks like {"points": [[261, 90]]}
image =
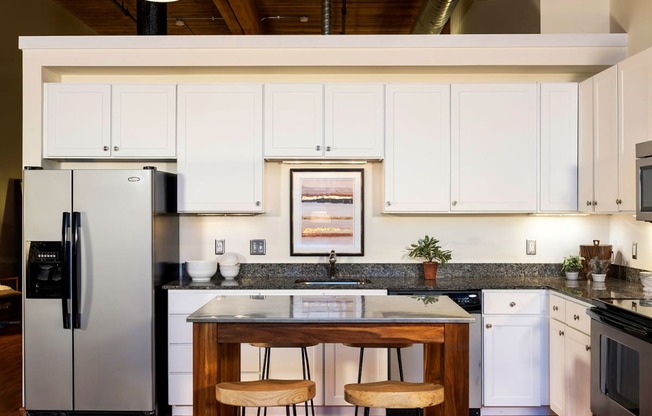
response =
{"points": [[641, 307], [630, 315]]}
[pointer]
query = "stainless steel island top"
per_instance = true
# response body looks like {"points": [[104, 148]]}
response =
{"points": [[333, 308]]}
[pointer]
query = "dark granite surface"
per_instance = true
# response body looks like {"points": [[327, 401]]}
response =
{"points": [[408, 277]]}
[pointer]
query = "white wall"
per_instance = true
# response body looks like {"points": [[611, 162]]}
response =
{"points": [[472, 238], [575, 16], [633, 17], [625, 230]]}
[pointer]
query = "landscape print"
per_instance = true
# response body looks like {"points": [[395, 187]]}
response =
{"points": [[326, 211]]}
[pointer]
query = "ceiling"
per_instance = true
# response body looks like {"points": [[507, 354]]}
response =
{"points": [[252, 17]]}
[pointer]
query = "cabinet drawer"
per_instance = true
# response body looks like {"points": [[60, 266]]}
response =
{"points": [[180, 359], [513, 302], [180, 389], [188, 301], [557, 308], [577, 318], [179, 330]]}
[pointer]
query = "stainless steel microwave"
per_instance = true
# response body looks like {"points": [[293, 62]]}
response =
{"points": [[644, 181]]}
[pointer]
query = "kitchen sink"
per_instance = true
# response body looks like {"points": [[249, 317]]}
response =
{"points": [[331, 282]]}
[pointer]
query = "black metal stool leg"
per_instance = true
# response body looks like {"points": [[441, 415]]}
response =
{"points": [[400, 364], [366, 411], [305, 365]]}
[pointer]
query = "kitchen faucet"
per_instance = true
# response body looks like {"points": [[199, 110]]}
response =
{"points": [[332, 259]]}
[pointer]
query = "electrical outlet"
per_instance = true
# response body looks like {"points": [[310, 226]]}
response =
{"points": [[634, 250], [257, 247], [530, 247], [219, 246]]}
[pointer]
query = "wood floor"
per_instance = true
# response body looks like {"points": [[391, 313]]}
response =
{"points": [[10, 371]]}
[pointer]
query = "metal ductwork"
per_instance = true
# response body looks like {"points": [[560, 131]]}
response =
{"points": [[434, 15], [151, 18], [326, 17]]}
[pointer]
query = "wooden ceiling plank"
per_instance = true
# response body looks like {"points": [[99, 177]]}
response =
{"points": [[229, 16], [247, 15]]}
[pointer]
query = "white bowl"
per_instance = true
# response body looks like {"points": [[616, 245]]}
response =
{"points": [[201, 270], [647, 282], [229, 272], [229, 259]]}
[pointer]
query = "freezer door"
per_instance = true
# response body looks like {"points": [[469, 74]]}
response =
{"points": [[113, 361], [47, 360]]}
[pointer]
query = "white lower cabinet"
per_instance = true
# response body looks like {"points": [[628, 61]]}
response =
{"points": [[570, 357], [515, 371], [340, 361]]}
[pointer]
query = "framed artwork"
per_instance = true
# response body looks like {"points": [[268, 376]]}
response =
{"points": [[326, 212]]}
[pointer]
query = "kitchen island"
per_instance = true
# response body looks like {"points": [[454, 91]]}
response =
{"points": [[220, 326]]}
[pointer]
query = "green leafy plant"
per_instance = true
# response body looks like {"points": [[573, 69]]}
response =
{"points": [[429, 249], [572, 264], [427, 300]]}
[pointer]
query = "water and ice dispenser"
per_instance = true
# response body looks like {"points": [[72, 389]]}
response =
{"points": [[44, 270]]}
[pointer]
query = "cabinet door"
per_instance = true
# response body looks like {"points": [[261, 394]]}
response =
{"points": [[417, 148], [341, 367], [605, 135], [585, 148], [354, 121], [220, 155], [143, 119], [494, 147], [635, 89], [578, 376], [558, 157], [294, 120], [557, 372], [77, 120], [513, 366]]}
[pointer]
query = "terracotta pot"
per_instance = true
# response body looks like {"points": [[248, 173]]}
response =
{"points": [[430, 270]]}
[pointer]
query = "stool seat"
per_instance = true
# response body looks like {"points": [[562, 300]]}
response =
{"points": [[394, 394], [283, 344], [383, 345], [265, 393]]}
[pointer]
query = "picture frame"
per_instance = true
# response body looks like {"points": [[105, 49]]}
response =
{"points": [[326, 212]]}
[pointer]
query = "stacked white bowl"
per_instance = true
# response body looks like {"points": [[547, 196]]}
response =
{"points": [[646, 279], [229, 266], [201, 270]]}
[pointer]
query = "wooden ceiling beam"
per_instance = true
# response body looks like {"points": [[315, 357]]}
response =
{"points": [[240, 16]]}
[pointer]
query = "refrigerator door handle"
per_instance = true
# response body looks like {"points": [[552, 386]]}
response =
{"points": [[76, 270], [65, 269]]}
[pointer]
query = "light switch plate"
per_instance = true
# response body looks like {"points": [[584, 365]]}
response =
{"points": [[530, 247], [257, 247], [219, 246]]}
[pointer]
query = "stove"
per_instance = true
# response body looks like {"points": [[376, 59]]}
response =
{"points": [[629, 314]]}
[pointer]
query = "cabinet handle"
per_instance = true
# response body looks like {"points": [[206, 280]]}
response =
{"points": [[576, 317], [318, 148], [388, 203], [328, 148], [555, 308], [512, 304], [587, 347], [561, 333], [595, 203], [488, 326], [454, 203], [116, 148], [105, 148], [588, 203], [619, 201], [257, 203]]}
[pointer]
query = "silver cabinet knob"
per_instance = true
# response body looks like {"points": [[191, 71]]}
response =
{"points": [[587, 347], [328, 148], [595, 203], [588, 203], [512, 304], [116, 148], [318, 148], [619, 201], [555, 308], [257, 203], [388, 203], [488, 326], [561, 333], [454, 203], [105, 148], [576, 317]]}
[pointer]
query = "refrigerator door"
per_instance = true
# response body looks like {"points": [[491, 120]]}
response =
{"points": [[113, 360], [47, 361]]}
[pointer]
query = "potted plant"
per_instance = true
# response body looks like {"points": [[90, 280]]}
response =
{"points": [[428, 248], [599, 269], [571, 266]]}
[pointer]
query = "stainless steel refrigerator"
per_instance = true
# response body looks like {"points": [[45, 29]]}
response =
{"points": [[98, 246]]}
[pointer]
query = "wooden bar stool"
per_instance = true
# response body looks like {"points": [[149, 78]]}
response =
{"points": [[305, 363], [265, 393], [393, 394]]}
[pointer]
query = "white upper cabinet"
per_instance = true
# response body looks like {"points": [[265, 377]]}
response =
{"points": [[331, 121], [294, 120], [143, 120], [585, 147], [354, 121], [635, 98], [110, 121], [417, 148], [494, 147], [220, 148], [558, 148], [77, 120]]}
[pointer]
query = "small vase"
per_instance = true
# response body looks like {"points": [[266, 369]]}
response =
{"points": [[430, 270], [572, 275], [598, 277]]}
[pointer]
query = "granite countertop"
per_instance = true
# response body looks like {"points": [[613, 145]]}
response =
{"points": [[581, 289], [327, 309]]}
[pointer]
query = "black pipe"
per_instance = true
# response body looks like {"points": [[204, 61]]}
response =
{"points": [[151, 18]]}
